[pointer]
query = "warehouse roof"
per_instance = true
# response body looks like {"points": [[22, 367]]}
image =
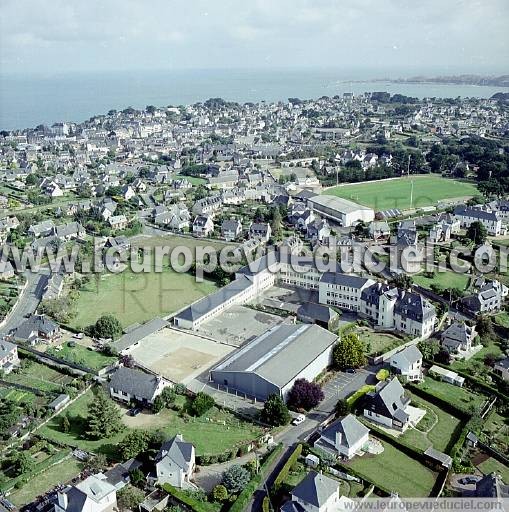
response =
{"points": [[132, 337], [337, 203], [281, 353]]}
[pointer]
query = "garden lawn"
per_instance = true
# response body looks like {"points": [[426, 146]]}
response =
{"points": [[446, 280], [79, 354], [495, 432], [395, 471], [492, 349], [378, 343], [59, 473], [213, 433], [502, 319], [492, 465], [17, 395], [383, 195], [137, 297], [39, 376], [438, 428], [462, 398]]}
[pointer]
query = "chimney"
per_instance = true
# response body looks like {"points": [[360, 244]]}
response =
{"points": [[63, 500], [339, 436]]}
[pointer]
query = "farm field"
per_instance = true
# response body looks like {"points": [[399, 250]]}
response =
{"points": [[213, 434], [436, 428], [395, 471], [39, 376], [383, 195], [59, 473], [462, 398], [446, 280], [137, 297]]}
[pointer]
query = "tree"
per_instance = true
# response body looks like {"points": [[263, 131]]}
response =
{"points": [[104, 419], [361, 230], [129, 498], [276, 222], [65, 424], [22, 463], [429, 349], [128, 361], [134, 443], [349, 352], [137, 477], [342, 408], [220, 493], [443, 356], [275, 412], [477, 233], [235, 478], [201, 404], [484, 328], [107, 326], [96, 463], [305, 395]]}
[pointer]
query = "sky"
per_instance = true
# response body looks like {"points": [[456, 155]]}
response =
{"points": [[53, 36]]}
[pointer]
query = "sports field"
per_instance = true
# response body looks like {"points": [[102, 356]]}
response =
{"points": [[137, 297], [396, 193]]}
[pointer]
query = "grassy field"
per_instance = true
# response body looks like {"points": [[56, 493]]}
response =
{"points": [[39, 376], [502, 319], [137, 297], [378, 343], [382, 195], [16, 395], [213, 434], [492, 465], [59, 473], [395, 471], [462, 398], [437, 428], [446, 280], [79, 354]]}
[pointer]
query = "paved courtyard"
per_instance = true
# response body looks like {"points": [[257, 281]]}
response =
{"points": [[238, 324], [179, 356]]}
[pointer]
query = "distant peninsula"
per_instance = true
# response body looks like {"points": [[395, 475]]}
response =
{"points": [[493, 81]]}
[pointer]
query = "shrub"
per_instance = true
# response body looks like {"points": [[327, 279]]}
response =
{"points": [[305, 395], [201, 404]]}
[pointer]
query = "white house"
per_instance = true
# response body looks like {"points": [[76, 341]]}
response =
{"points": [[203, 225], [8, 356], [408, 363], [175, 463], [94, 494], [489, 219], [344, 437]]}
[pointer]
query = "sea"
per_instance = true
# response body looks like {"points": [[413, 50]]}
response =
{"points": [[28, 100]]}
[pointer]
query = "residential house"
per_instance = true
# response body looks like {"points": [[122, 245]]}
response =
{"points": [[118, 222], [44, 228], [175, 463], [8, 356], [458, 338], [318, 230], [260, 230], [203, 225], [36, 329], [94, 494], [131, 385], [501, 368], [69, 231], [207, 205], [488, 298], [315, 493], [379, 229], [6, 270], [491, 486], [231, 229], [388, 405], [344, 437], [408, 363]]}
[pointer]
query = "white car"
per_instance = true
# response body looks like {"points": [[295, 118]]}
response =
{"points": [[298, 419], [78, 336]]}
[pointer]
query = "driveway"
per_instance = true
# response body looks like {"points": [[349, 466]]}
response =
{"points": [[28, 301]]}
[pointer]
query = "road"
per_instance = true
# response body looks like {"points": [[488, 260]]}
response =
{"points": [[28, 300]]}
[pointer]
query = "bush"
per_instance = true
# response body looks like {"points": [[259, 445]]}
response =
{"points": [[382, 374], [201, 404], [285, 470], [305, 395], [235, 478]]}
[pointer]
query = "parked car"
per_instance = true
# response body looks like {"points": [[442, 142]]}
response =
{"points": [[468, 480], [134, 411], [351, 370], [78, 335], [298, 419]]}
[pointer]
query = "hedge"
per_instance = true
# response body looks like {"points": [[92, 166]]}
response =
{"points": [[192, 503], [359, 393], [285, 470], [247, 493]]}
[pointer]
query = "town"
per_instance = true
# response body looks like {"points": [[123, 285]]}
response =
{"points": [[277, 383]]}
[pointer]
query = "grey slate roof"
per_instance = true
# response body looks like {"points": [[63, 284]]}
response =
{"points": [[388, 400], [36, 323], [350, 427], [135, 382], [137, 334], [176, 450], [316, 489], [337, 278], [6, 347]]}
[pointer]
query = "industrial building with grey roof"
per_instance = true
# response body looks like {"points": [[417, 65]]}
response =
{"points": [[272, 362]]}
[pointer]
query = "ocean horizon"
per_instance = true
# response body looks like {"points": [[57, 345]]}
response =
{"points": [[33, 99]]}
